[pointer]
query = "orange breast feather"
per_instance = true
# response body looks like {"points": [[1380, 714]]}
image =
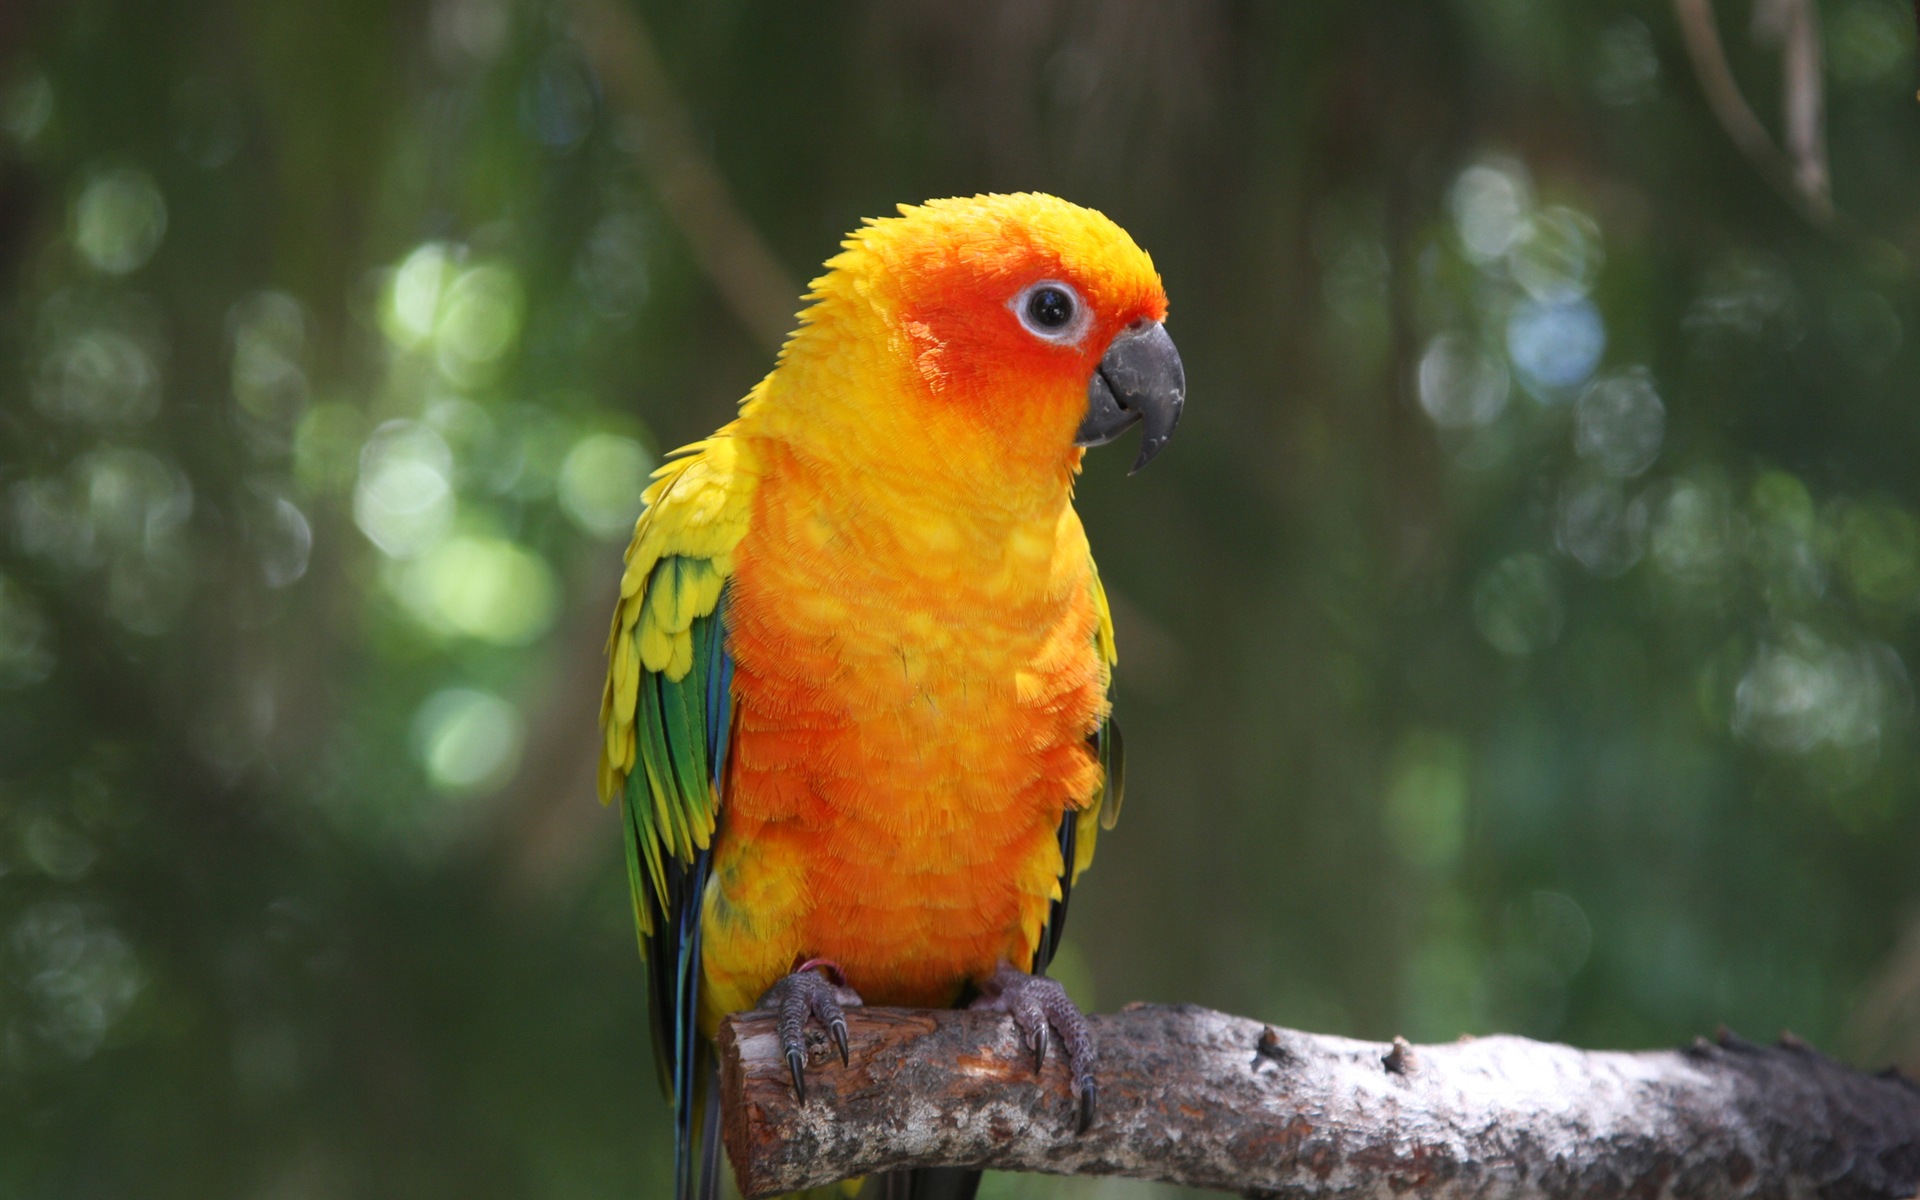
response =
{"points": [[913, 690]]}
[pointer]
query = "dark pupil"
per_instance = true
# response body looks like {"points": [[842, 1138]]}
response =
{"points": [[1050, 308]]}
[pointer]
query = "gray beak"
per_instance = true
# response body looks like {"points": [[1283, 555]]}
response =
{"points": [[1140, 380]]}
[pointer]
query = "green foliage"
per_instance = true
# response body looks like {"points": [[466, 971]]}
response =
{"points": [[1517, 636]]}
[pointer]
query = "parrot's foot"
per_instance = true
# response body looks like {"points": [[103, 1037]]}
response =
{"points": [[1038, 1004], [806, 994]]}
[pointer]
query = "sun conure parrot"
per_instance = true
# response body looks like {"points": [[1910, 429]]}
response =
{"points": [[856, 713]]}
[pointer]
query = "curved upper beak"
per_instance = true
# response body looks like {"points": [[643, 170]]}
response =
{"points": [[1139, 379]]}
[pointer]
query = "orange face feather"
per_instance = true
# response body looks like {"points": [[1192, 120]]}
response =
{"points": [[953, 274]]}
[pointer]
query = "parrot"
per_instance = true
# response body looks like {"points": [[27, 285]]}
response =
{"points": [[857, 712]]}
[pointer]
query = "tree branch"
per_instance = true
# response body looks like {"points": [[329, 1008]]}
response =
{"points": [[692, 190], [1802, 180], [1199, 1098], [1803, 98]]}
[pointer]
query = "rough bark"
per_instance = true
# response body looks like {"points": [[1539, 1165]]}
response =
{"points": [[1199, 1098]]}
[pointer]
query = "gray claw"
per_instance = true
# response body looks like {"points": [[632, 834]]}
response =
{"points": [[796, 1066], [838, 1028]]}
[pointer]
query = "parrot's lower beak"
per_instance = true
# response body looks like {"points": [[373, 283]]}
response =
{"points": [[1139, 379]]}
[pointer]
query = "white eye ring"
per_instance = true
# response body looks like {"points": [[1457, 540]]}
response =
{"points": [[1041, 302]]}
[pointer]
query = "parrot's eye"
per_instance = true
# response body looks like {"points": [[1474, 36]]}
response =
{"points": [[1050, 307], [1051, 310]]}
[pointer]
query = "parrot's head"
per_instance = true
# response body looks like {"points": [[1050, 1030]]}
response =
{"points": [[1020, 323]]}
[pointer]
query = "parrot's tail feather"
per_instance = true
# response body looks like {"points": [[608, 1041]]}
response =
{"points": [[926, 1183], [710, 1137], [695, 1069]]}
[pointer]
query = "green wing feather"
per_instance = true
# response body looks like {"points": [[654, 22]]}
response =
{"points": [[663, 736]]}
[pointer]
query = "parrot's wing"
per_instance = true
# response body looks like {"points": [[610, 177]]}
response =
{"points": [[665, 719], [1081, 827]]}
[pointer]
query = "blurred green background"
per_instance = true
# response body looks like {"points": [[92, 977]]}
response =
{"points": [[1517, 637]]}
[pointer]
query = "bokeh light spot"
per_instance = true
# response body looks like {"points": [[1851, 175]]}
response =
{"points": [[269, 332], [479, 322], [101, 376], [1599, 526], [1461, 386], [1555, 346], [79, 973], [600, 483], [1557, 255], [1784, 543], [412, 308], [136, 501], [468, 428], [467, 740], [1801, 692], [485, 588], [1490, 203], [1620, 423], [283, 540], [1693, 539], [467, 317], [119, 219], [1880, 550], [404, 501]]}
